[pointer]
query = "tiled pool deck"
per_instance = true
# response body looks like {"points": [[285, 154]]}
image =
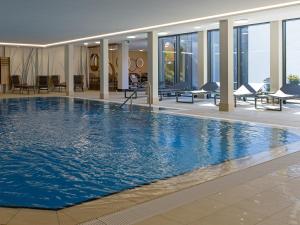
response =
{"points": [[261, 189]]}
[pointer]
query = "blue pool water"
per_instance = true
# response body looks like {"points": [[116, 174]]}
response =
{"points": [[57, 152]]}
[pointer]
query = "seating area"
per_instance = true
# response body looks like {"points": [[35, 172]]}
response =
{"points": [[43, 84]]}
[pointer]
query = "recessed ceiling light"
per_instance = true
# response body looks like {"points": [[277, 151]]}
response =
{"points": [[141, 50], [162, 33], [198, 27], [97, 42], [86, 44], [131, 37], [112, 49], [241, 21]]}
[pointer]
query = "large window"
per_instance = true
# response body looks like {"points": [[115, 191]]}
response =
{"points": [[178, 58], [259, 53], [167, 61], [292, 51], [251, 54], [214, 55]]}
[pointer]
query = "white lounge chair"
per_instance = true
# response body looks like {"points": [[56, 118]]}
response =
{"points": [[287, 91], [247, 90]]}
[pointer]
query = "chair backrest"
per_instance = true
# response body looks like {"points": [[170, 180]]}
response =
{"points": [[133, 78], [78, 79], [15, 80], [291, 89], [54, 79], [43, 81], [182, 86], [210, 87], [256, 86]]}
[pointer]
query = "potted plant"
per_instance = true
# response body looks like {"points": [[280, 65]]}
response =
{"points": [[294, 79]]}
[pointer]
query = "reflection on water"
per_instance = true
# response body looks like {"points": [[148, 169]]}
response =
{"points": [[56, 152]]}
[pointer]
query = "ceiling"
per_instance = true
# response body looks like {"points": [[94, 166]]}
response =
{"points": [[44, 21]]}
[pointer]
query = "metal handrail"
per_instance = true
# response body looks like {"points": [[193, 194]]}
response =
{"points": [[129, 98], [135, 92]]}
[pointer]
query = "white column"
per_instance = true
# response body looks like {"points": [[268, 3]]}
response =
{"points": [[226, 66], [202, 58], [276, 55], [69, 69], [36, 65], [123, 55], [104, 72], [2, 51], [153, 66]]}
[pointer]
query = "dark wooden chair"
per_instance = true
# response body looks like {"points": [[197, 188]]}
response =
{"points": [[55, 82], [78, 82], [17, 84], [43, 83]]}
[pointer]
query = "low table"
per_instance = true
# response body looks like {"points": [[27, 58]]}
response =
{"points": [[261, 97]]}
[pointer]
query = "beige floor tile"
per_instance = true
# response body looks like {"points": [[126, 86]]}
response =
{"points": [[235, 194], [157, 220], [6, 214], [268, 182], [289, 216], [290, 189], [97, 208], [293, 171], [194, 211], [34, 217], [65, 220], [266, 203], [230, 216]]}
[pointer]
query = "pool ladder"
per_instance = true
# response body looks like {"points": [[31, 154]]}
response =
{"points": [[146, 84]]}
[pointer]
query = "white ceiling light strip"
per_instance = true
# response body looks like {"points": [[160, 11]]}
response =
{"points": [[144, 29]]}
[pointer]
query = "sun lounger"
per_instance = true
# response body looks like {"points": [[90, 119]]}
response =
{"points": [[189, 96], [247, 90], [287, 91]]}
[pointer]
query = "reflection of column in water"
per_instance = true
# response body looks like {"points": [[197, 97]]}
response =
{"points": [[277, 138]]}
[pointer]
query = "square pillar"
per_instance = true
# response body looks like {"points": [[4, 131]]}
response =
{"points": [[123, 56], [69, 69], [202, 58], [36, 65], [153, 66], [276, 61], [104, 69], [226, 66], [2, 51]]}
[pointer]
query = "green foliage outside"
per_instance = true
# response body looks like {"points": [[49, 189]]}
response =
{"points": [[294, 79]]}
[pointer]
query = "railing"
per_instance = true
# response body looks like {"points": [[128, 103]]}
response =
{"points": [[148, 92]]}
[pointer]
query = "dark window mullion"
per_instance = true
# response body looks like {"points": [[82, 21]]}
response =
{"points": [[284, 75]]}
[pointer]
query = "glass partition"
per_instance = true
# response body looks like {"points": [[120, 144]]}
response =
{"points": [[251, 55], [292, 51], [178, 59], [167, 61], [214, 56]]}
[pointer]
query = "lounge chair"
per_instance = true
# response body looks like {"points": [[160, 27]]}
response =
{"points": [[287, 91], [56, 83], [172, 90], [43, 83], [16, 84], [207, 89], [247, 90], [78, 82]]}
